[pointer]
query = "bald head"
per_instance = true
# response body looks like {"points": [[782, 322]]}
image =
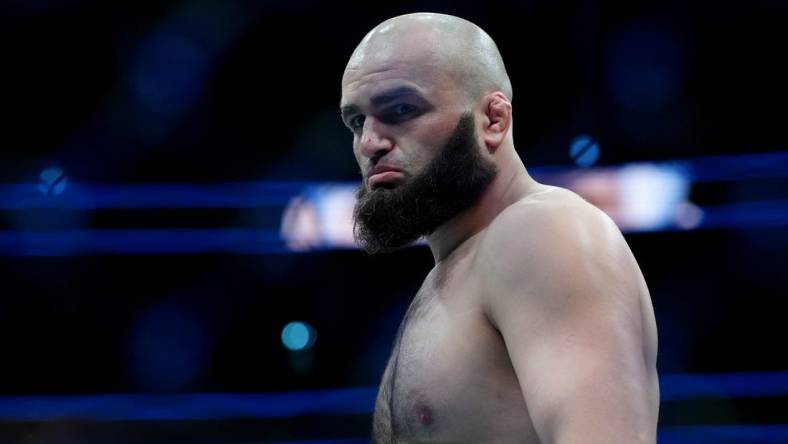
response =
{"points": [[450, 45]]}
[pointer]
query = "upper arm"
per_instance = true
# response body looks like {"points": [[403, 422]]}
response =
{"points": [[563, 289]]}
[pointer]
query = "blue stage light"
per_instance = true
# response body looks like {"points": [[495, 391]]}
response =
{"points": [[298, 336], [584, 151], [52, 181]]}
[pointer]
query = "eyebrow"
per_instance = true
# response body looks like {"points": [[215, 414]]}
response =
{"points": [[382, 99]]}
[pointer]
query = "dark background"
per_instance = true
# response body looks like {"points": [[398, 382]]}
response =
{"points": [[206, 92]]}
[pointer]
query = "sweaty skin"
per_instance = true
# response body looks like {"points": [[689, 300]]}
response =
{"points": [[535, 324]]}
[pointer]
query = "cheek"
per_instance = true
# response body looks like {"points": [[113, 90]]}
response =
{"points": [[359, 161], [356, 151], [416, 155], [429, 138], [435, 130]]}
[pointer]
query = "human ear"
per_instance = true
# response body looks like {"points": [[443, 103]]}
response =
{"points": [[498, 120]]}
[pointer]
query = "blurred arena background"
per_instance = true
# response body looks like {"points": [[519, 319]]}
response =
{"points": [[175, 246]]}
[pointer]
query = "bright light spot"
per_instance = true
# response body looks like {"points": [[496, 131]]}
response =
{"points": [[688, 216], [298, 336], [321, 217], [584, 151], [649, 195], [52, 181]]}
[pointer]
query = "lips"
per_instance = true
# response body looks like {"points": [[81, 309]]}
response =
{"points": [[383, 174]]}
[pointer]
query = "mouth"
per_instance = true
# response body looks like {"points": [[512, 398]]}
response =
{"points": [[385, 178]]}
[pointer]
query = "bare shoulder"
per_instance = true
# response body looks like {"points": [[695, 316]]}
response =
{"points": [[559, 283], [554, 238], [550, 218]]}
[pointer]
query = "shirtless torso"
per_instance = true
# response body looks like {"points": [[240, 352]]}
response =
{"points": [[450, 378]]}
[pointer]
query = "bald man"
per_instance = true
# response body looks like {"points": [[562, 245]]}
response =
{"points": [[535, 324]]}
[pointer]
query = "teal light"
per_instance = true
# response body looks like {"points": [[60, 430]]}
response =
{"points": [[298, 336]]}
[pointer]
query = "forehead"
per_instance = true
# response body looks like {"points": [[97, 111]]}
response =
{"points": [[374, 73]]}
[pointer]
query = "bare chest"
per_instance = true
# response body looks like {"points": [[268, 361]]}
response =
{"points": [[449, 378]]}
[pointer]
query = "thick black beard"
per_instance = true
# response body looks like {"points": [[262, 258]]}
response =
{"points": [[385, 219]]}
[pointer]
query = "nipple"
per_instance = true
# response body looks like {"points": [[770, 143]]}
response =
{"points": [[424, 415]]}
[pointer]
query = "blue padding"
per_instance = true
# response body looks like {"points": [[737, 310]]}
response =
{"points": [[248, 241], [677, 387], [724, 434], [197, 406], [95, 196], [158, 241], [738, 167], [755, 214], [265, 194], [347, 401]]}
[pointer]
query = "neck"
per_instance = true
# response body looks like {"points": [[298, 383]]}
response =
{"points": [[511, 184]]}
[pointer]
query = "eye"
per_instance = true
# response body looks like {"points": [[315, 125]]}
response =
{"points": [[403, 109], [399, 113], [356, 122]]}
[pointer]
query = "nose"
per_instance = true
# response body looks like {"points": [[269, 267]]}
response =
{"points": [[374, 143]]}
